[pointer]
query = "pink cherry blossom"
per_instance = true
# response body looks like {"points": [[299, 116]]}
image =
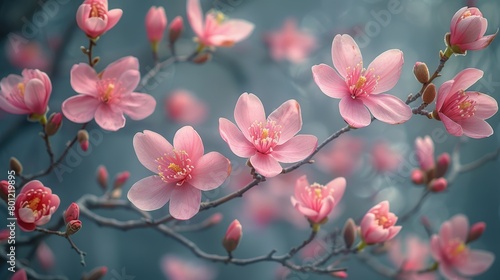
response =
{"points": [[467, 30], [449, 248], [184, 107], [156, 23], [464, 112], [343, 157], [412, 259], [267, 141], [108, 95], [26, 94], [19, 275], [45, 256], [384, 157], [290, 43], [216, 30], [379, 225], [175, 268], [359, 88], [35, 205], [183, 171], [316, 201], [26, 54], [94, 18]]}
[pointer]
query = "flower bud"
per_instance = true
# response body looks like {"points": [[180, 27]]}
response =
{"points": [[102, 176], [476, 231], [176, 28], [443, 162], [83, 139], [73, 227], [4, 190], [96, 274], [53, 125], [421, 72], [72, 213], [438, 185], [429, 93], [202, 58], [215, 219], [16, 165], [4, 235], [156, 22], [233, 236], [349, 233], [20, 275], [121, 179], [417, 176], [340, 274]]}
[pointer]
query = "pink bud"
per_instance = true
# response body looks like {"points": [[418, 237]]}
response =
{"points": [[233, 236], [121, 179], [438, 185], [176, 28], [4, 190], [467, 30], [96, 273], [215, 218], [102, 176], [94, 18], [19, 275], [73, 227], [45, 256], [54, 123], [476, 231], [16, 165], [72, 213], [349, 233], [443, 162], [4, 235], [83, 139], [156, 23], [417, 176], [340, 274]]}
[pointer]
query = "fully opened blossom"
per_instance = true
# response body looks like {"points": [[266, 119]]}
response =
{"points": [[108, 95], [467, 30], [360, 89], [182, 172], [379, 225], [26, 94], [316, 201], [449, 248], [267, 141], [215, 30], [35, 205], [412, 259], [464, 112], [94, 18]]}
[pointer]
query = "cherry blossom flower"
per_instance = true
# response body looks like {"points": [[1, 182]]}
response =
{"points": [[290, 43], [26, 54], [156, 23], [107, 96], [184, 107], [267, 141], [175, 268], [359, 88], [430, 172], [216, 30], [35, 205], [343, 157], [183, 171], [467, 30], [384, 158], [94, 19], [20, 275], [379, 225], [412, 259], [449, 248], [26, 94], [464, 112], [316, 201]]}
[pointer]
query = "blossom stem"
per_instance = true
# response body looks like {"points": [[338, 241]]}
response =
{"points": [[46, 139], [362, 245], [311, 237], [89, 52]]}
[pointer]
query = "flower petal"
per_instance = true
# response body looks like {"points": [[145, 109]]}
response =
{"points": [[149, 146], [195, 16], [460, 227], [95, 26], [443, 93], [388, 108], [210, 171], [234, 30], [326, 208], [287, 116], [150, 193], [296, 149], [451, 126], [386, 69], [80, 108], [129, 80], [329, 81], [265, 165], [35, 96], [114, 70], [237, 142], [478, 261], [185, 202], [137, 105], [109, 118], [465, 79], [187, 139], [354, 112], [248, 109], [476, 128], [480, 44], [113, 18], [84, 79], [486, 106], [345, 54], [338, 186]]}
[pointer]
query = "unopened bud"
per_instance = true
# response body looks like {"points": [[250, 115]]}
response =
{"points": [[121, 179], [102, 176], [95, 60], [4, 190], [417, 176], [72, 213], [53, 125], [202, 58], [19, 275], [4, 235], [443, 163], [83, 139], [16, 165], [476, 231], [233, 236], [438, 185], [176, 27], [421, 72], [96, 274], [215, 219], [340, 274], [429, 93], [73, 227], [349, 233], [426, 223]]}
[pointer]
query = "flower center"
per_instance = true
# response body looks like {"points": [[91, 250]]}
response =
{"points": [[33, 204], [97, 9], [459, 106], [466, 14], [175, 167], [20, 86], [456, 250], [219, 17], [265, 136], [106, 89], [361, 82]]}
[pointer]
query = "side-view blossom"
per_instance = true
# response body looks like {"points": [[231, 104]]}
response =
{"points": [[184, 107], [464, 112], [267, 141], [449, 248], [215, 30], [430, 171], [182, 172], [94, 18], [411, 259], [233, 236], [379, 225], [108, 95], [35, 205]]}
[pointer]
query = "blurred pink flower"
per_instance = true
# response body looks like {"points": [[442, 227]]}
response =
{"points": [[430, 173], [343, 157], [35, 205], [45, 256], [290, 43], [449, 249], [156, 23], [267, 141], [358, 87], [26, 54], [424, 149], [183, 171], [26, 94], [216, 30], [262, 207], [19, 275], [107, 96], [316, 201], [465, 112], [384, 158], [412, 258], [175, 268], [467, 30], [94, 19], [185, 108], [379, 225]]}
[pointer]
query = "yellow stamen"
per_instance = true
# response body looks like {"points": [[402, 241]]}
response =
{"points": [[466, 14], [265, 133], [459, 249], [219, 17], [109, 91], [94, 12], [174, 167], [465, 105], [34, 203], [361, 82], [20, 86], [318, 192], [382, 220]]}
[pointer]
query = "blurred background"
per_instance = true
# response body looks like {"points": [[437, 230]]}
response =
{"points": [[376, 161]]}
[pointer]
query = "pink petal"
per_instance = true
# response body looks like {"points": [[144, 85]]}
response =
{"points": [[237, 142], [367, 223], [388, 108], [443, 92], [149, 146], [20, 275], [465, 79], [479, 44], [81, 15], [129, 80], [467, 30], [478, 261], [296, 149], [137, 105], [345, 54], [301, 185], [150, 193], [456, 17], [185, 202], [80, 108], [446, 232], [187, 139], [95, 26], [11, 108], [35, 96], [109, 118], [393, 231], [476, 128], [377, 234], [265, 165], [114, 70], [26, 215], [234, 31], [210, 171], [386, 69], [303, 209], [113, 18], [460, 225], [486, 106], [288, 116], [326, 208], [195, 16], [435, 248], [451, 126], [248, 109], [338, 185], [84, 79], [354, 112], [329, 81], [449, 272]]}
